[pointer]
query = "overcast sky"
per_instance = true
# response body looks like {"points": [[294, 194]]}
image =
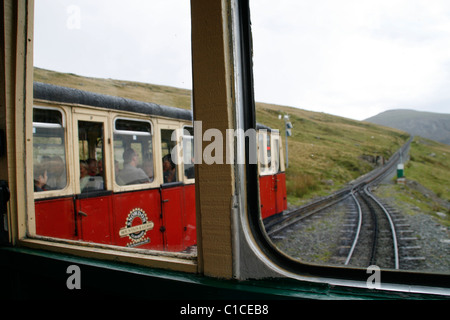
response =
{"points": [[139, 40], [353, 58]]}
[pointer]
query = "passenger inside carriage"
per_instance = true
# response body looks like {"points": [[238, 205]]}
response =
{"points": [[92, 167], [40, 178], [130, 174], [57, 177], [147, 166], [169, 169], [89, 183]]}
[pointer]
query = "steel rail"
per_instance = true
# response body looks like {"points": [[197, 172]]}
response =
{"points": [[289, 218], [391, 223], [358, 230]]}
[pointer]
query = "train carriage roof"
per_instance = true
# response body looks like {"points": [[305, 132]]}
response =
{"points": [[56, 93]]}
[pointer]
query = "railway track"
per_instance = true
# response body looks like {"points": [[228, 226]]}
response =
{"points": [[375, 238], [369, 233]]}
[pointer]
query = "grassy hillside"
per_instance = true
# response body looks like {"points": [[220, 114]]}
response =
{"points": [[430, 165], [427, 188], [164, 95], [325, 151]]}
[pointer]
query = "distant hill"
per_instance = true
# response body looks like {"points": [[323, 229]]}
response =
{"points": [[434, 126]]}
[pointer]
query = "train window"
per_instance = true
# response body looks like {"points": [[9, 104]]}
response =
{"points": [[49, 155], [188, 152], [167, 146], [263, 159], [133, 152], [269, 152], [276, 152], [91, 153]]}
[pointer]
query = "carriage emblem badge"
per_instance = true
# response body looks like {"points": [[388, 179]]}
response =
{"points": [[136, 227]]}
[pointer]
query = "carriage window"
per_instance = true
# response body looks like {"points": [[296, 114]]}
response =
{"points": [[264, 151], [276, 155], [188, 153], [169, 167], [133, 152], [90, 143], [49, 157]]}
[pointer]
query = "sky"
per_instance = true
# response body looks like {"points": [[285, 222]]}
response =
{"points": [[352, 58], [137, 40]]}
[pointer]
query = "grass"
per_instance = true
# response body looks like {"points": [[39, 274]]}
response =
{"points": [[430, 165], [164, 95], [428, 175], [326, 152]]}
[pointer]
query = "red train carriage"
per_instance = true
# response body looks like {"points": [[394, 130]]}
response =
{"points": [[103, 171], [272, 177]]}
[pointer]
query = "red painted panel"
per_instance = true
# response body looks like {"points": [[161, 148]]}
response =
{"points": [[281, 199], [137, 219], [267, 196], [190, 216], [174, 218], [94, 224], [55, 218], [272, 194]]}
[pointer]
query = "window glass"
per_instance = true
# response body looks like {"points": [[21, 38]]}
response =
{"points": [[91, 151], [49, 156], [167, 146], [349, 83], [104, 39], [188, 153], [139, 50], [133, 152], [263, 151], [269, 151], [276, 153]]}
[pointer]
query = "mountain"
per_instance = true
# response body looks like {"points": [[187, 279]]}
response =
{"points": [[434, 126]]}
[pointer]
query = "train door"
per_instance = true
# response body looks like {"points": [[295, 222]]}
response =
{"points": [[172, 195], [137, 217], [266, 177], [93, 199]]}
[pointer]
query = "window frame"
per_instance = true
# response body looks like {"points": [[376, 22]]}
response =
{"points": [[68, 164], [18, 20], [274, 137], [139, 186], [184, 138], [246, 223]]}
